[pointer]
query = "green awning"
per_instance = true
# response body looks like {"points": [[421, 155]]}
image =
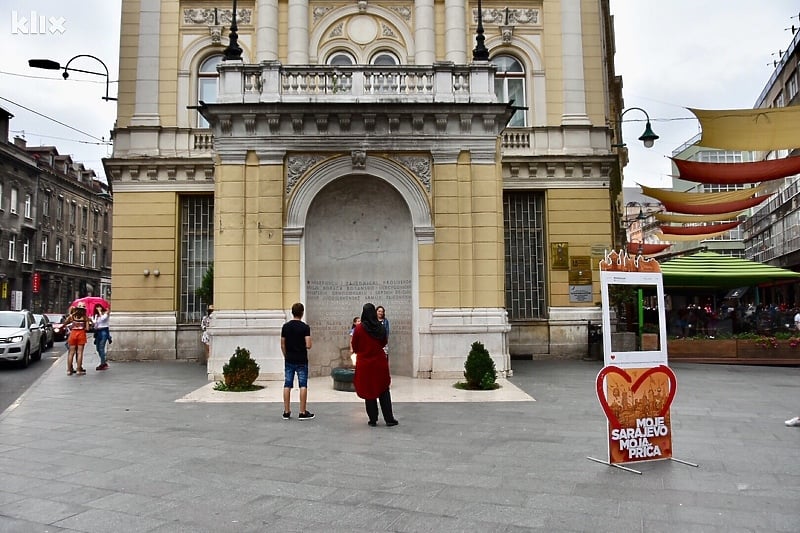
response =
{"points": [[712, 270]]}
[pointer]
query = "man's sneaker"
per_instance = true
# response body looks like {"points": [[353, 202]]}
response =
{"points": [[103, 366], [390, 423], [305, 416], [793, 422], [287, 415]]}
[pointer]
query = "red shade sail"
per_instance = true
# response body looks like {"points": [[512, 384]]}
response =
{"points": [[737, 173], [646, 248], [699, 230]]}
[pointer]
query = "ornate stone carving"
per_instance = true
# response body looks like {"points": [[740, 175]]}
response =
{"points": [[441, 122], [359, 159], [274, 123], [510, 16], [319, 12], [336, 31], [369, 122], [362, 6], [419, 166], [417, 122], [296, 166], [322, 122], [488, 123], [344, 121], [297, 123], [215, 16], [249, 123], [403, 11], [387, 31], [465, 121], [225, 124], [216, 33], [394, 123], [506, 33]]}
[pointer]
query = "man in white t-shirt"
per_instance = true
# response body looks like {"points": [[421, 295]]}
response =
{"points": [[797, 321]]}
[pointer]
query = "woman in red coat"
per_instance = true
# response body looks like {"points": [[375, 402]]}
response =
{"points": [[372, 377]]}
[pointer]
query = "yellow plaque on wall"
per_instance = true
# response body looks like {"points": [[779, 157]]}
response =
{"points": [[559, 255]]}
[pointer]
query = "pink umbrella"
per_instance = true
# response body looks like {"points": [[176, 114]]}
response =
{"points": [[91, 302]]}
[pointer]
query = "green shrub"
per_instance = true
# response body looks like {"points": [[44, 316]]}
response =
{"points": [[479, 369], [241, 371]]}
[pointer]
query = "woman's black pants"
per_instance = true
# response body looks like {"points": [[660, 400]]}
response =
{"points": [[385, 400]]}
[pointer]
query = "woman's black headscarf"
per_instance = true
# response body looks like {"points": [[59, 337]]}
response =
{"points": [[369, 321]]}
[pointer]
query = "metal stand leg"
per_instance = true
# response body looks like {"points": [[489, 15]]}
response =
{"points": [[631, 470], [684, 462]]}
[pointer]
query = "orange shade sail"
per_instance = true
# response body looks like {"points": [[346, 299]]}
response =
{"points": [[761, 129], [690, 219], [713, 209], [647, 248]]}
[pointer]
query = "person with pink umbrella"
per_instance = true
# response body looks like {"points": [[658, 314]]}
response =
{"points": [[101, 333]]}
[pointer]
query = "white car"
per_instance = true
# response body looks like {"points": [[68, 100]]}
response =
{"points": [[20, 337]]}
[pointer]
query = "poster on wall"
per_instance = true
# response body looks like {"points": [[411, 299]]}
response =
{"points": [[635, 387]]}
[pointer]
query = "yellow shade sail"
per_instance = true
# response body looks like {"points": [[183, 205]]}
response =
{"points": [[763, 129], [685, 238], [700, 198]]}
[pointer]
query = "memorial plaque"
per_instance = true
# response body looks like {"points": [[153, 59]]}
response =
{"points": [[358, 249]]}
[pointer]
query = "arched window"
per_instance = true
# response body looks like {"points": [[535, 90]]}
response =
{"points": [[207, 77], [341, 59], [509, 84], [384, 59]]}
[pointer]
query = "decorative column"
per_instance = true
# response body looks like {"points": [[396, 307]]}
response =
{"points": [[572, 65], [298, 32], [424, 32], [145, 110], [267, 30], [454, 36]]}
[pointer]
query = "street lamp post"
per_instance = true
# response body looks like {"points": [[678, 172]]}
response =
{"points": [[49, 64], [649, 137]]}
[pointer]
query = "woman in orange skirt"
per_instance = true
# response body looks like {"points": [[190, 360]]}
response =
{"points": [[79, 323]]}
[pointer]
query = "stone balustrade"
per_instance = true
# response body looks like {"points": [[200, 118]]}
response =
{"points": [[270, 82]]}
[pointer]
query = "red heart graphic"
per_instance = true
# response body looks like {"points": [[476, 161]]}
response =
{"points": [[613, 356], [601, 395]]}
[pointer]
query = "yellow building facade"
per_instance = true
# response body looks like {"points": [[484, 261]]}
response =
{"points": [[363, 151]]}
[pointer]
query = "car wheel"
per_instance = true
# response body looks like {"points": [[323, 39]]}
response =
{"points": [[26, 358]]}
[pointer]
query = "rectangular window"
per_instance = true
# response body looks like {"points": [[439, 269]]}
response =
{"points": [[12, 206], [791, 85], [44, 246], [95, 221], [58, 250], [94, 257], [12, 249], [60, 209], [84, 220], [1, 196], [73, 214], [105, 222], [71, 253], [83, 256], [197, 253], [523, 227], [46, 205], [26, 251], [28, 206]]}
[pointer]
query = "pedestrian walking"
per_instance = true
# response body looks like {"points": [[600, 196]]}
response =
{"points": [[372, 378], [295, 343]]}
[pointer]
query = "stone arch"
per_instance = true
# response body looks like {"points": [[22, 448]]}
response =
{"points": [[327, 171], [318, 47]]}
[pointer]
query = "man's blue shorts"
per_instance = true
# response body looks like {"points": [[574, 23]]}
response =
{"points": [[290, 369]]}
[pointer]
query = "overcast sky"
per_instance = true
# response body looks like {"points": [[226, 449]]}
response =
{"points": [[672, 54]]}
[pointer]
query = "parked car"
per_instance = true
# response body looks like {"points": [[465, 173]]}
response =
{"points": [[59, 329], [48, 334], [20, 337]]}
